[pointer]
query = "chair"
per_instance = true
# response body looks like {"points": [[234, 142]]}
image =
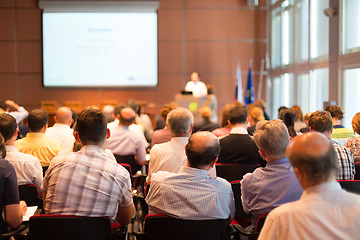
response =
{"points": [[30, 194], [240, 213], [357, 173], [127, 167], [232, 171], [60, 227], [350, 185], [251, 235], [161, 227]]}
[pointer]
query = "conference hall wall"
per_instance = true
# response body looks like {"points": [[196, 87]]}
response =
{"points": [[194, 35]]}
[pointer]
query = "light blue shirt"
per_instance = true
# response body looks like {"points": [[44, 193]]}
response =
{"points": [[269, 187]]}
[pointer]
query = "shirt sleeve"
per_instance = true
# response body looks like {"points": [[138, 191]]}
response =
{"points": [[11, 186], [244, 195], [20, 114]]}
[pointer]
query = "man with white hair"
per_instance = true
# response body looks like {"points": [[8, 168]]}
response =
{"points": [[61, 129], [324, 211], [170, 156], [269, 187]]}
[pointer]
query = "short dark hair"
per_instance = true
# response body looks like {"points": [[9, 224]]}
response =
{"points": [[237, 114], [37, 119], [320, 121], [8, 126], [3, 105], [91, 126], [2, 147], [335, 111], [316, 168], [118, 109], [201, 157]]}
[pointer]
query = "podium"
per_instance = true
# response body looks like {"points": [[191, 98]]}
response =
{"points": [[190, 102]]}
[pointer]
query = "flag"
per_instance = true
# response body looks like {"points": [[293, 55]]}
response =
{"points": [[238, 84], [249, 92]]}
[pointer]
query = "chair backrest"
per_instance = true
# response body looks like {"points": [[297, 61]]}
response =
{"points": [[161, 227], [60, 227], [30, 194], [236, 187], [127, 167], [357, 173], [232, 171], [128, 159], [260, 222], [350, 185]]}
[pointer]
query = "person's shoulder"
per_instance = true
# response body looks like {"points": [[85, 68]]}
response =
{"points": [[28, 158], [160, 176]]}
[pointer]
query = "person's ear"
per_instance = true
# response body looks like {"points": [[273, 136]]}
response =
{"points": [[262, 154], [212, 163], [77, 137], [108, 133]]}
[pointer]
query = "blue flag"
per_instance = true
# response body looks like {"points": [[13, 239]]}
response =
{"points": [[249, 92]]}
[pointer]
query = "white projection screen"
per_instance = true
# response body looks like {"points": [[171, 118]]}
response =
{"points": [[104, 44]]}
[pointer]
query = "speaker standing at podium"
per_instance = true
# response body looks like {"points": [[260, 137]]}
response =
{"points": [[195, 86]]}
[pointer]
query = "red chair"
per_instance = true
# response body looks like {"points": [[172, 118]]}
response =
{"points": [[350, 185], [251, 235], [233, 171], [357, 173], [161, 227], [127, 167]]}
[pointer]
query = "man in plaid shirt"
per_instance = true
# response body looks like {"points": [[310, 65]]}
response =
{"points": [[88, 182], [320, 121]]}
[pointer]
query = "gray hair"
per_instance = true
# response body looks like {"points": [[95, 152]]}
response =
{"points": [[272, 137], [179, 121]]}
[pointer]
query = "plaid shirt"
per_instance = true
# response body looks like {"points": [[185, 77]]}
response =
{"points": [[346, 162], [86, 183]]}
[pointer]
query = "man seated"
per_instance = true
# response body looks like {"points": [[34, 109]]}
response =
{"points": [[320, 121], [61, 129], [35, 142], [324, 211], [191, 193], [238, 147], [88, 182], [128, 144], [27, 167], [340, 134], [10, 107], [269, 187], [170, 156]]}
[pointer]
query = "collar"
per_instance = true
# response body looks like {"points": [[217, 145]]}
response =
{"points": [[193, 171], [93, 149], [10, 148], [179, 139], [320, 189], [61, 125], [278, 161], [238, 130], [34, 135]]}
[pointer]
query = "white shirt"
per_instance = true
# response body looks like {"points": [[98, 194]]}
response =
{"points": [[27, 167], [63, 133], [133, 127], [169, 156], [190, 194], [324, 211], [19, 115], [198, 88]]}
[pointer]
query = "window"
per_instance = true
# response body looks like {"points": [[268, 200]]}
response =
{"points": [[283, 88], [351, 99], [350, 26], [302, 30], [319, 29]]}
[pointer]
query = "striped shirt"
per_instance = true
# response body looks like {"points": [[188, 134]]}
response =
{"points": [[346, 162], [86, 183]]}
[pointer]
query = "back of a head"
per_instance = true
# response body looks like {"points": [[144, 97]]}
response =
{"points": [[108, 111], [225, 115], [299, 113], [179, 121], [272, 137], [335, 111], [134, 105], [7, 126], [313, 154], [63, 115], [202, 148], [280, 109], [288, 116], [127, 116], [257, 114], [356, 123], [205, 112], [118, 109], [37, 119], [260, 103], [237, 115], [166, 109], [320, 121], [91, 126], [210, 89]]}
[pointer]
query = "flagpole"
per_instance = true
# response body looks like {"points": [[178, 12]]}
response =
{"points": [[261, 77]]}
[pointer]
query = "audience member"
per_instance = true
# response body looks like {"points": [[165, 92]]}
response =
{"points": [[340, 134], [280, 109], [191, 193], [238, 147], [162, 135], [269, 187], [320, 121], [61, 129], [299, 119], [306, 120], [127, 144], [27, 167], [141, 119], [211, 102], [204, 123], [225, 127], [354, 143], [324, 211], [35, 142], [256, 115], [260, 103], [10, 107], [197, 87], [160, 123], [170, 156], [288, 116], [108, 111], [10, 207], [87, 182]]}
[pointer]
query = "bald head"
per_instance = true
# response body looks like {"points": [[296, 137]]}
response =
{"points": [[127, 116], [202, 149], [313, 154], [63, 115]]}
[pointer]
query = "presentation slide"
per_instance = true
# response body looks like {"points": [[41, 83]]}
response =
{"points": [[100, 50]]}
